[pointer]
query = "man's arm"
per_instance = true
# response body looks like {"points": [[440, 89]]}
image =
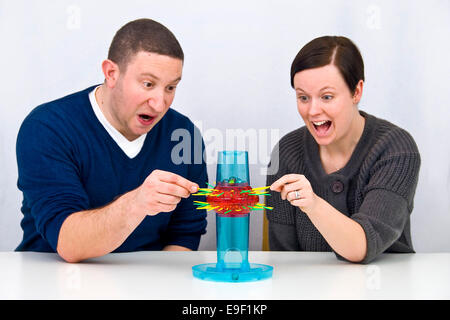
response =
{"points": [[172, 247], [94, 233]]}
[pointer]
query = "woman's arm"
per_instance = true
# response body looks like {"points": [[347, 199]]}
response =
{"points": [[344, 235], [369, 232]]}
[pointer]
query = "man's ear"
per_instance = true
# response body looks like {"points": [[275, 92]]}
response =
{"points": [[111, 72], [358, 92]]}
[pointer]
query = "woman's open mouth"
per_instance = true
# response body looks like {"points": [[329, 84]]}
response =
{"points": [[321, 128]]}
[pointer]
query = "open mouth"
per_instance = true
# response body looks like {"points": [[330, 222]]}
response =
{"points": [[146, 119], [322, 127]]}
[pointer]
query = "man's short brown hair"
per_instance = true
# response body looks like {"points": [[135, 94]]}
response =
{"points": [[143, 35]]}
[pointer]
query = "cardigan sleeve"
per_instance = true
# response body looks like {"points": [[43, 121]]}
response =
{"points": [[388, 203], [283, 237], [283, 212], [382, 216], [281, 229]]}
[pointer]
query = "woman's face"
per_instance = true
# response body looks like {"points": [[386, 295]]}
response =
{"points": [[326, 104]]}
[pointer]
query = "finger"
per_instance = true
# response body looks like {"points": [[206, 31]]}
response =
{"points": [[292, 196], [173, 190], [168, 199], [178, 180], [298, 185], [298, 203], [162, 207], [288, 178], [301, 184]]}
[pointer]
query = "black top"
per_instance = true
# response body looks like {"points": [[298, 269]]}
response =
{"points": [[375, 188]]}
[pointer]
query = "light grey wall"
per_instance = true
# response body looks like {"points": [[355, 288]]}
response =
{"points": [[236, 76]]}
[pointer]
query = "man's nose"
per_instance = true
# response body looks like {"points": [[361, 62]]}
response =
{"points": [[156, 101]]}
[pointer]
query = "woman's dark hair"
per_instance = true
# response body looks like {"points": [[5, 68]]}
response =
{"points": [[143, 35], [340, 51]]}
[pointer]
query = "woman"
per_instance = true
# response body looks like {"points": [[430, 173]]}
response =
{"points": [[346, 180]]}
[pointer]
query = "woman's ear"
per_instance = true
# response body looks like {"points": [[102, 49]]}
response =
{"points": [[358, 92]]}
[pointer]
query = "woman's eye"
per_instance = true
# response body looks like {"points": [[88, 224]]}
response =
{"points": [[303, 98], [148, 84], [171, 88], [327, 97]]}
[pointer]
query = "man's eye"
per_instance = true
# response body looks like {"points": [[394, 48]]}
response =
{"points": [[148, 84], [327, 97], [171, 88]]}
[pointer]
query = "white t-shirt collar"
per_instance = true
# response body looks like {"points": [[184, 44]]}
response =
{"points": [[131, 148]]}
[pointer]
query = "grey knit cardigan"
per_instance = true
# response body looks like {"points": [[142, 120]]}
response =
{"points": [[375, 188]]}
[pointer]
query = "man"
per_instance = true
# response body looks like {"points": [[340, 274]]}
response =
{"points": [[95, 167]]}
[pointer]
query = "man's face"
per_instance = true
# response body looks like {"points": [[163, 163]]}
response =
{"points": [[144, 92]]}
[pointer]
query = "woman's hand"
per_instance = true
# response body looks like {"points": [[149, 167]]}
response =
{"points": [[344, 235], [298, 191]]}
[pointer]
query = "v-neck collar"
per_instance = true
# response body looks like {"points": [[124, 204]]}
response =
{"points": [[149, 137], [130, 148]]}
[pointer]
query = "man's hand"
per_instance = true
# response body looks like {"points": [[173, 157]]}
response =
{"points": [[161, 192], [96, 232]]}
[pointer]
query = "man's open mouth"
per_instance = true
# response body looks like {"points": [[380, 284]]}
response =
{"points": [[146, 119]]}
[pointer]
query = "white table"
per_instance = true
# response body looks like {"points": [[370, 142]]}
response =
{"points": [[168, 275]]}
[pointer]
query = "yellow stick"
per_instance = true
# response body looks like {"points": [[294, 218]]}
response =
{"points": [[261, 188]]}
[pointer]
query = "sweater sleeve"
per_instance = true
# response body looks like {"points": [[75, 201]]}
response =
{"points": [[281, 229], [283, 237], [388, 202], [283, 212], [48, 177], [187, 224], [382, 216]]}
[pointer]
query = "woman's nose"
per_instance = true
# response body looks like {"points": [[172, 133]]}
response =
{"points": [[315, 107]]}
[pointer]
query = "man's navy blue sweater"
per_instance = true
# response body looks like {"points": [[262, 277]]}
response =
{"points": [[68, 162]]}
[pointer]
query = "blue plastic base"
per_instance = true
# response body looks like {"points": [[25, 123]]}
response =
{"points": [[209, 271]]}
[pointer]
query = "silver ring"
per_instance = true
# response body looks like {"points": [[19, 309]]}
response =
{"points": [[297, 195]]}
